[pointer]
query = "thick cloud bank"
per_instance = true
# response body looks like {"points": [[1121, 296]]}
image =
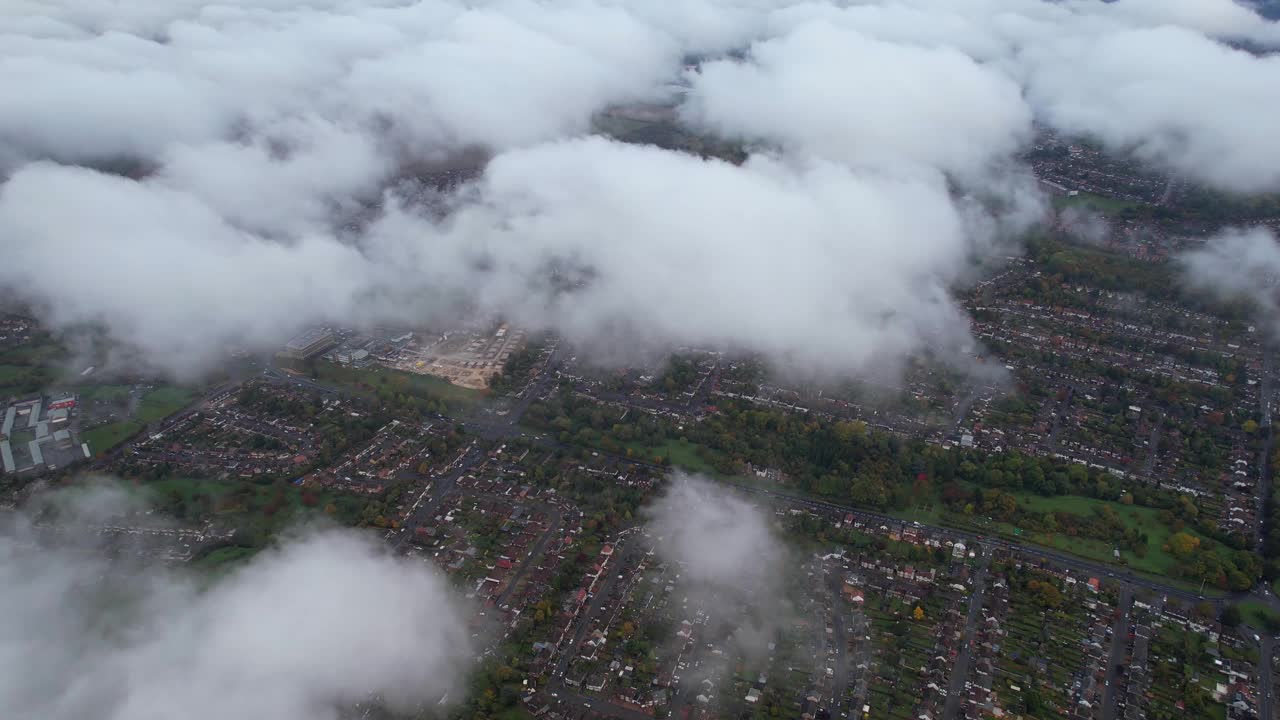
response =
{"points": [[731, 562], [321, 622], [252, 145], [720, 539], [1239, 264]]}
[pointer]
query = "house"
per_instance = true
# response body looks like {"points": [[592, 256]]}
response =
{"points": [[853, 593]]}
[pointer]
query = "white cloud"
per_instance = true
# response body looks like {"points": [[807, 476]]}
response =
{"points": [[443, 73], [324, 620], [803, 260], [1173, 97], [1241, 263], [889, 130], [840, 94], [161, 268], [720, 540], [730, 562], [807, 261]]}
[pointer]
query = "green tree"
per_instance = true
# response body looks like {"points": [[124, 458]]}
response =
{"points": [[1231, 616], [1182, 544]]}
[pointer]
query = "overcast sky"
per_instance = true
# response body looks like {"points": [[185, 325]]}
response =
{"points": [[884, 134]]}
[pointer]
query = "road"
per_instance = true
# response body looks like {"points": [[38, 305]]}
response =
{"points": [[624, 551], [507, 423], [443, 487], [593, 608], [104, 461], [473, 455], [606, 709], [275, 374], [1033, 553], [960, 671], [508, 427], [1266, 678], [1169, 187], [1265, 386], [961, 410], [1059, 412], [840, 644], [1119, 643], [554, 527], [1153, 447]]}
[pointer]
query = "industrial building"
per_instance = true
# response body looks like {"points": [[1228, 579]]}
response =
{"points": [[35, 436], [309, 344], [351, 357]]}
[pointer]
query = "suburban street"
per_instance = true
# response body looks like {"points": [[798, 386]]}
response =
{"points": [[554, 527], [1266, 677], [960, 671], [1119, 641], [507, 426]]}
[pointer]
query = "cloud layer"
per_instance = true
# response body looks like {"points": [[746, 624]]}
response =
{"points": [[721, 541], [323, 621], [730, 561], [262, 138], [1239, 264]]}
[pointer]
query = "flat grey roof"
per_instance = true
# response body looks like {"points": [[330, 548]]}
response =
{"points": [[8, 420], [37, 456], [35, 414], [6, 455], [306, 338]]}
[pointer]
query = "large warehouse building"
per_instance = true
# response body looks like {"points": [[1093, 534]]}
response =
{"points": [[309, 344]]}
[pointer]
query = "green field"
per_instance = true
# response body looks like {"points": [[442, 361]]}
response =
{"points": [[258, 510], [1144, 519], [1156, 561], [1257, 615], [103, 393], [927, 514], [102, 438], [23, 380], [684, 454], [162, 402], [12, 373], [41, 352], [681, 453], [223, 559], [375, 378]]}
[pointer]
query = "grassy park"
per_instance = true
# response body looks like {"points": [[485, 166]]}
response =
{"points": [[102, 438], [370, 380]]}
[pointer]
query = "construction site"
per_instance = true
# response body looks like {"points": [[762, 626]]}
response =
{"points": [[469, 358]]}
